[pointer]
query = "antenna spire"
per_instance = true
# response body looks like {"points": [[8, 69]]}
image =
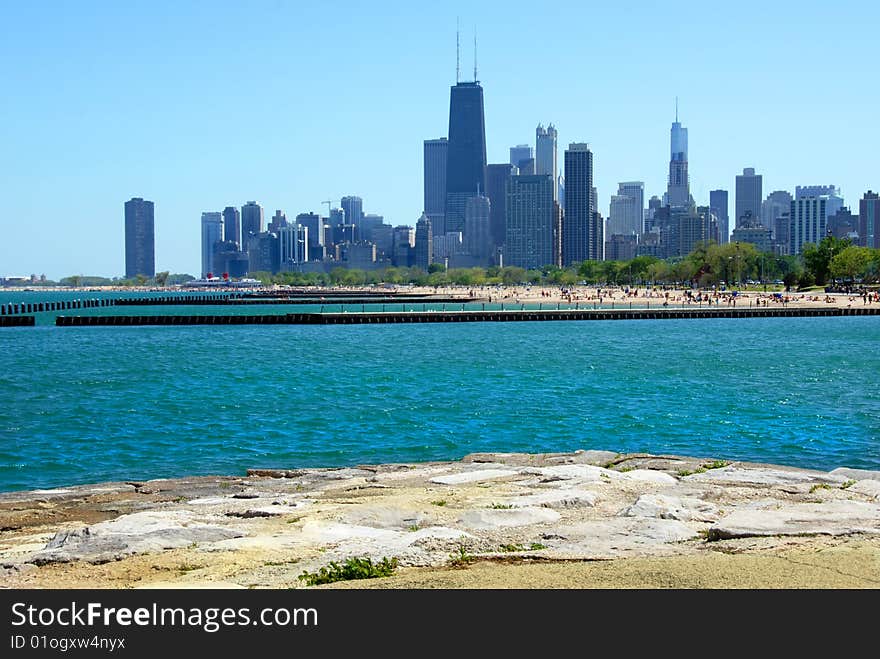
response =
{"points": [[676, 109], [475, 53], [457, 53]]}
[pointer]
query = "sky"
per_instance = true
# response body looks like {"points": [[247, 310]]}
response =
{"points": [[197, 105]]}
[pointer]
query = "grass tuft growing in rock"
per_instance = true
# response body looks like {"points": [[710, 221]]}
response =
{"points": [[462, 557], [353, 568], [820, 486], [501, 506], [847, 484], [439, 502]]}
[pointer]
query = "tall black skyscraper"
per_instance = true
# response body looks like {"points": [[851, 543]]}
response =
{"points": [[466, 157], [718, 204], [140, 257], [232, 225], [581, 240]]}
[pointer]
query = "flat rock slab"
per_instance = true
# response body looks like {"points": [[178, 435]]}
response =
{"points": [[762, 476], [617, 536], [832, 518], [473, 476], [869, 488], [387, 517], [556, 499], [683, 509], [856, 474], [132, 534], [581, 472], [494, 519], [651, 476]]}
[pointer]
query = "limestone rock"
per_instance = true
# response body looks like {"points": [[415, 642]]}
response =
{"points": [[618, 536], [856, 474], [131, 534], [493, 519], [831, 518], [651, 476], [473, 476], [763, 476], [569, 498], [684, 509]]}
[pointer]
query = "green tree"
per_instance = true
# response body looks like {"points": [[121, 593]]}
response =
{"points": [[817, 258], [162, 277], [436, 267], [850, 263]]}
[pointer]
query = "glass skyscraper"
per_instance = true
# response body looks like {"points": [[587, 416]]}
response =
{"points": [[140, 258], [466, 157]]}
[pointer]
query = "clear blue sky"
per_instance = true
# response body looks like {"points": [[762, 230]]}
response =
{"points": [[200, 105]]}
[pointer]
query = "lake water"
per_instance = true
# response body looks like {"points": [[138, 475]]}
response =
{"points": [[83, 405]]}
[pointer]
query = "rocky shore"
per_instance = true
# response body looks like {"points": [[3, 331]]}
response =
{"points": [[582, 519]]}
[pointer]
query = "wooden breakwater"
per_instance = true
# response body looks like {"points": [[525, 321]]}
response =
{"points": [[395, 317], [237, 301], [13, 309], [17, 321]]}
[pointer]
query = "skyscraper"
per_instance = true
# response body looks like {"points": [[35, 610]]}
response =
{"points": [[232, 225], [278, 222], [476, 229], [519, 153], [436, 152], [497, 177], [748, 196], [466, 160], [315, 233], [579, 235], [678, 190], [626, 212], [424, 253], [835, 198], [869, 220], [251, 221], [718, 204], [212, 233], [140, 239], [773, 207], [545, 153], [529, 231], [354, 213], [293, 244]]}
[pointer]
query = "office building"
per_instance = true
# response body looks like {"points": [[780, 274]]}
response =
{"points": [[229, 260], [579, 234], [264, 252], [140, 239], [315, 233], [776, 204], [520, 153], [232, 225], [748, 197], [529, 230], [834, 200], [354, 213], [251, 222], [435, 155], [545, 153], [278, 221], [621, 247], [212, 233], [678, 191], [424, 254], [497, 178], [626, 210], [404, 238], [476, 229], [718, 203]]}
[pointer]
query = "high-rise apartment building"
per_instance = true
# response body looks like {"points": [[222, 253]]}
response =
{"points": [[293, 244], [833, 203], [748, 197], [212, 233], [808, 222], [579, 233], [140, 239], [251, 221], [529, 230], [466, 159], [869, 220], [719, 204]]}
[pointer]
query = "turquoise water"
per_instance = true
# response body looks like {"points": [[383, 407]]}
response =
{"points": [[116, 403]]}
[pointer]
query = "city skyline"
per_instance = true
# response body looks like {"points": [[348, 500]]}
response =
{"points": [[77, 166]]}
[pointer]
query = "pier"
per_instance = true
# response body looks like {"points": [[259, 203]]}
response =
{"points": [[17, 321], [477, 316]]}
